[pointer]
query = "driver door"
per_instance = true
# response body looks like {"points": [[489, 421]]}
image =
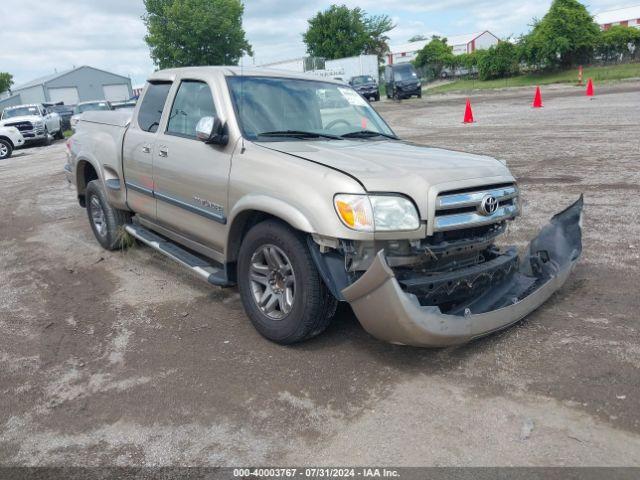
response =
{"points": [[191, 176]]}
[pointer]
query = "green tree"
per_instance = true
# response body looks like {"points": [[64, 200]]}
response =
{"points": [[6, 80], [435, 56], [339, 32], [468, 61], [195, 32], [377, 28], [619, 43], [566, 36], [499, 61]]}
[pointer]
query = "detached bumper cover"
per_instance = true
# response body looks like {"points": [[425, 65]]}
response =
{"points": [[390, 314]]}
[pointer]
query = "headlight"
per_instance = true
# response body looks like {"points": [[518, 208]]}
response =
{"points": [[39, 124], [355, 211], [381, 213], [394, 213]]}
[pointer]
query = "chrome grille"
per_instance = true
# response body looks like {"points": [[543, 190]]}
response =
{"points": [[22, 126], [464, 209]]}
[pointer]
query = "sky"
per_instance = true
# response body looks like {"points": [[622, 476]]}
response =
{"points": [[45, 36]]}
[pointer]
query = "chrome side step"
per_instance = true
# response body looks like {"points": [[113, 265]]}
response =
{"points": [[211, 274]]}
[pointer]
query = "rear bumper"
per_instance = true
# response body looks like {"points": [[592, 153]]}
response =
{"points": [[390, 314]]}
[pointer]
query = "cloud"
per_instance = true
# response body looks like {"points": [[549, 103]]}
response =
{"points": [[44, 36]]}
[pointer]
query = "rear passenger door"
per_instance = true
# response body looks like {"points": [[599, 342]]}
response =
{"points": [[139, 147], [191, 176]]}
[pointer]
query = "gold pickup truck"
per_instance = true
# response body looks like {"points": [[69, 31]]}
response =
{"points": [[296, 190]]}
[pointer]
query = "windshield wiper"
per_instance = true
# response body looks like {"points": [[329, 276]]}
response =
{"points": [[298, 134], [367, 134]]}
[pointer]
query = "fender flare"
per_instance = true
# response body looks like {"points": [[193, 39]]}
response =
{"points": [[272, 206]]}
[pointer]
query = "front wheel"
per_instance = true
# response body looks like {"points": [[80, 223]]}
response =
{"points": [[47, 138], [280, 287], [5, 149], [59, 134]]}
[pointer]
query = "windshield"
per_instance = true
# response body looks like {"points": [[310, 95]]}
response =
{"points": [[407, 73], [362, 80], [20, 112], [88, 107], [269, 104]]}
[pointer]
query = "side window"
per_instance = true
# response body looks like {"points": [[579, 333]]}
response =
{"points": [[193, 101], [152, 105]]}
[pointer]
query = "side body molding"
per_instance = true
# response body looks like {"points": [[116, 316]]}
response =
{"points": [[390, 314]]}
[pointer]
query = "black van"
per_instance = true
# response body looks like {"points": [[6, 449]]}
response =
{"points": [[402, 81]]}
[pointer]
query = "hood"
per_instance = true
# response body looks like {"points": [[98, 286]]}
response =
{"points": [[400, 167], [24, 118], [366, 85]]}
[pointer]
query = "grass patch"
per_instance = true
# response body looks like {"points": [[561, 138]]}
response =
{"points": [[67, 133], [599, 74]]}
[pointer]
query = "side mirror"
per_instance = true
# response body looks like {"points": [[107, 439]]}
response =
{"points": [[211, 130]]}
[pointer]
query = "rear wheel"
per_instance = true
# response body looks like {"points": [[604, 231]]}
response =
{"points": [[106, 222], [281, 290], [5, 149]]}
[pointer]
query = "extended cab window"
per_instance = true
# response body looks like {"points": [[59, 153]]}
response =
{"points": [[152, 106], [193, 102]]}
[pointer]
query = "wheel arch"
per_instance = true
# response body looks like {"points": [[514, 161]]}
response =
{"points": [[2, 137], [244, 217], [85, 173]]}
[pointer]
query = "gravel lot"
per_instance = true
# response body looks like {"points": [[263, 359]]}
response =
{"points": [[126, 359]]}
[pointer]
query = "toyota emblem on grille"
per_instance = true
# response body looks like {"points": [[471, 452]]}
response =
{"points": [[489, 205]]}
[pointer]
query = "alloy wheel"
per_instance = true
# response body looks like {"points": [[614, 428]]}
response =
{"points": [[98, 217], [273, 281]]}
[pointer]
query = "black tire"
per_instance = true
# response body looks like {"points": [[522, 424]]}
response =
{"points": [[420, 95], [377, 97], [59, 134], [113, 237], [6, 150], [47, 138], [313, 306]]}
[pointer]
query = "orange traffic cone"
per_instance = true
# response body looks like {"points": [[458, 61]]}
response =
{"points": [[468, 113], [537, 99], [590, 88]]}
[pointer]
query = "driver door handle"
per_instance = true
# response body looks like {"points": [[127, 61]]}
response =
{"points": [[163, 151], [146, 149]]}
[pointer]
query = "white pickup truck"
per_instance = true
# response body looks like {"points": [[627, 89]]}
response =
{"points": [[10, 138], [297, 191], [35, 122]]}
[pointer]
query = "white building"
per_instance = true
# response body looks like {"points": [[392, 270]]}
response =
{"points": [[627, 17], [71, 87], [344, 68], [461, 44]]}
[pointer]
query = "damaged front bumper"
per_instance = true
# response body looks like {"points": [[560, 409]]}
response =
{"points": [[389, 313]]}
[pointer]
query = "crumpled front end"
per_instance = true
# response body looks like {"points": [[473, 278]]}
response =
{"points": [[392, 314]]}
